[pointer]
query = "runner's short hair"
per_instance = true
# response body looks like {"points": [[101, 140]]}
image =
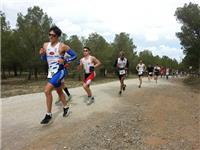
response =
{"points": [[57, 31], [87, 48], [121, 53]]}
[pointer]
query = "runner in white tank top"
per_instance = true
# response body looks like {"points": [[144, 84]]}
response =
{"points": [[167, 73], [54, 52], [140, 69], [53, 66], [121, 65], [52, 59], [88, 63], [156, 72]]}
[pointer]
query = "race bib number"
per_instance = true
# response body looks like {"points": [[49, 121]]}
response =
{"points": [[121, 72], [150, 73]]}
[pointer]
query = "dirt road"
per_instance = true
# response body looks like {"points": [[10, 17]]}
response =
{"points": [[163, 116]]}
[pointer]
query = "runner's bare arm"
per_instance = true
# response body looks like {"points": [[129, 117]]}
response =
{"points": [[136, 67], [127, 65], [66, 49], [145, 67], [97, 63]]}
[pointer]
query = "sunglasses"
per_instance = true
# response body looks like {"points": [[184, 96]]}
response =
{"points": [[53, 35]]}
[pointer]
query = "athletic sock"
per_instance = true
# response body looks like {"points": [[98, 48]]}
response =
{"points": [[49, 114], [66, 106], [89, 96], [66, 91]]}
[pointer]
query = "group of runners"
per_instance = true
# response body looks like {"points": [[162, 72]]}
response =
{"points": [[59, 55], [122, 66]]}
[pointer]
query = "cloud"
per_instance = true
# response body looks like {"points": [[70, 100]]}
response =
{"points": [[68, 27], [172, 52], [150, 37], [151, 21], [164, 50]]}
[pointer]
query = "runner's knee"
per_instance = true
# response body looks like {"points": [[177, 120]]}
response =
{"points": [[85, 85], [47, 91], [59, 91]]}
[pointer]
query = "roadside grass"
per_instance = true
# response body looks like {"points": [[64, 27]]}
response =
{"points": [[19, 86], [193, 82]]}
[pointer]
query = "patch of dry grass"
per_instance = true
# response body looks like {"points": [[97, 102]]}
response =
{"points": [[19, 86], [193, 82]]}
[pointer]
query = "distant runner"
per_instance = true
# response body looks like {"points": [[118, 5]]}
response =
{"points": [[140, 68], [156, 72], [121, 65], [150, 72]]}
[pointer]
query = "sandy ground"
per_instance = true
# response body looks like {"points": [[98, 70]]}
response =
{"points": [[163, 116]]}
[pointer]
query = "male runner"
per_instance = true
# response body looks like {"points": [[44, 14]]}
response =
{"points": [[167, 73], [156, 72], [88, 63], [150, 72], [121, 65], [140, 68], [54, 52]]}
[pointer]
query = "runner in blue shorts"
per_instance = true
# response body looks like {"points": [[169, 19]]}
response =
{"points": [[53, 52]]}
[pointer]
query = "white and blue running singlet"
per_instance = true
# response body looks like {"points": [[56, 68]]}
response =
{"points": [[56, 71]]}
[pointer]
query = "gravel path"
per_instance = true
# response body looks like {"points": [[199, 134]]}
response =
{"points": [[163, 116]]}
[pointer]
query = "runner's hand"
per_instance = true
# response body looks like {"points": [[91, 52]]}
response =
{"points": [[42, 51], [67, 65], [126, 69], [60, 61], [91, 68]]}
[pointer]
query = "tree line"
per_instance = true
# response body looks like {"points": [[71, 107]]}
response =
{"points": [[189, 17], [20, 46]]}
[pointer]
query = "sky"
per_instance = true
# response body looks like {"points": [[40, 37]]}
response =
{"points": [[150, 23]]}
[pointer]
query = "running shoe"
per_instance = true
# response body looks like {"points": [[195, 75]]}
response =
{"points": [[66, 112], [124, 87], [90, 100], [46, 119]]}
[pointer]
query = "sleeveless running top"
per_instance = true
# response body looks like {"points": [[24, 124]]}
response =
{"points": [[156, 69], [121, 64], [87, 63], [52, 59], [167, 71], [150, 69], [140, 68]]}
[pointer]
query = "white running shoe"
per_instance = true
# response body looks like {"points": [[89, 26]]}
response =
{"points": [[90, 100]]}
